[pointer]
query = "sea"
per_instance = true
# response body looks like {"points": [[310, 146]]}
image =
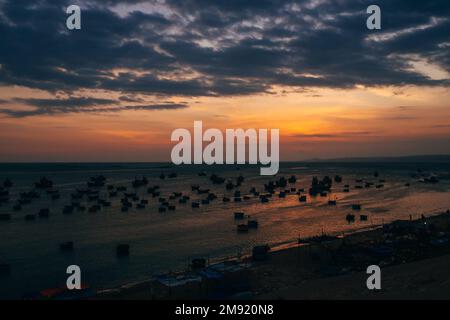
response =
{"points": [[166, 242]]}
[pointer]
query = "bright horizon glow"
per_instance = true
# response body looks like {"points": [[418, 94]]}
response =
{"points": [[317, 123]]}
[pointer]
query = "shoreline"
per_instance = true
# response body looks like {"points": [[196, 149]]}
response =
{"points": [[294, 262]]}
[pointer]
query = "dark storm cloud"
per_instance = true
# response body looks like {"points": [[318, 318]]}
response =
{"points": [[63, 103], [80, 105], [218, 48], [334, 135]]}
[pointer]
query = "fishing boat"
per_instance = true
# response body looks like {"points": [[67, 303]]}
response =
{"points": [[139, 182], [5, 269], [93, 209], [202, 191], [242, 228], [68, 209], [215, 179], [66, 246], [113, 194], [30, 217], [195, 204], [239, 215], [7, 183], [123, 250], [260, 252], [56, 196], [5, 217], [44, 213], [44, 183], [198, 263], [252, 224], [97, 181], [350, 218]]}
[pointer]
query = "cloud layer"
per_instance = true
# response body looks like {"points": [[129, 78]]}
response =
{"points": [[215, 48]]}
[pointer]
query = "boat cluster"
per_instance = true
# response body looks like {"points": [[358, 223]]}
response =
{"points": [[94, 197]]}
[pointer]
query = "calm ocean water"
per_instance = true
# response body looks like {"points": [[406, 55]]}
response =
{"points": [[168, 241]]}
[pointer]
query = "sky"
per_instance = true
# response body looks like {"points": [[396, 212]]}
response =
{"points": [[137, 70]]}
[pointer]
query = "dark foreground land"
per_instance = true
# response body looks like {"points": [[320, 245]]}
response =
{"points": [[414, 257]]}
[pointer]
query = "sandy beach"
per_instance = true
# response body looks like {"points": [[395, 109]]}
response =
{"points": [[334, 268]]}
